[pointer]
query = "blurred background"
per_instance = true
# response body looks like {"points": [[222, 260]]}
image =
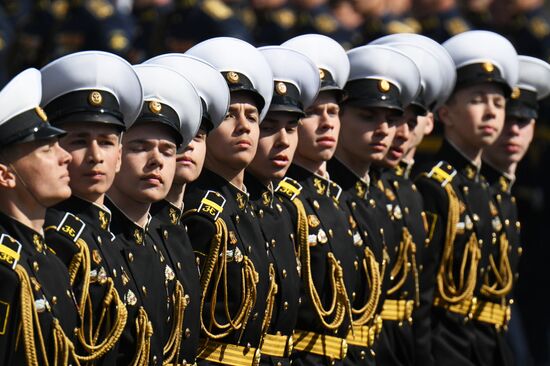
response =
{"points": [[33, 32]]}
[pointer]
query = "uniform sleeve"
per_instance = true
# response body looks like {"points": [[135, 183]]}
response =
{"points": [[435, 207], [9, 313], [201, 231]]}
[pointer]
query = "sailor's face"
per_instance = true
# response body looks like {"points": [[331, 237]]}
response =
{"points": [[40, 172], [95, 149], [148, 162], [318, 132]]}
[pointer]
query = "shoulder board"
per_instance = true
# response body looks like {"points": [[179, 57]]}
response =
{"points": [[100, 9], [325, 23], [539, 27], [10, 251], [456, 25], [212, 205], [285, 18], [71, 226], [289, 188], [396, 26], [443, 173], [118, 41], [217, 9]]}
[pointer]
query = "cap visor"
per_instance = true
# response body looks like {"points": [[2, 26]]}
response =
{"points": [[90, 117]]}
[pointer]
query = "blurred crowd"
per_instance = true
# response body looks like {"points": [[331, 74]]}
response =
{"points": [[33, 32]]}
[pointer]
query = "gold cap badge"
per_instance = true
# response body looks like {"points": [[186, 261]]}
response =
{"points": [[155, 107], [322, 74], [516, 92], [383, 86], [232, 77], [95, 98], [488, 67], [280, 87]]}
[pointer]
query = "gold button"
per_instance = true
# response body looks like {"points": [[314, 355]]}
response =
{"points": [[187, 333], [406, 210], [507, 222], [131, 257], [285, 305], [353, 205], [284, 273], [316, 204], [363, 355], [165, 234], [261, 213], [330, 232], [144, 289], [35, 266], [279, 363], [54, 300], [273, 242], [237, 219], [179, 265]]}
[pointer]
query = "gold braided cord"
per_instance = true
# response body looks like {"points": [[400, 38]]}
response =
{"points": [[340, 304], [144, 331], [30, 323], [213, 273], [273, 289], [406, 258], [372, 271], [503, 272], [448, 290], [173, 345], [111, 300], [89, 342]]}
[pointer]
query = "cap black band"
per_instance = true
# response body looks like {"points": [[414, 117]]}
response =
{"points": [[373, 93], [85, 106], [206, 122], [240, 82], [522, 104], [419, 104], [484, 72], [27, 126], [286, 98], [153, 111]]}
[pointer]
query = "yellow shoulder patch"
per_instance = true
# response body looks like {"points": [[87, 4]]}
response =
{"points": [[71, 226], [217, 9], [289, 188], [212, 204], [10, 251], [443, 173]]}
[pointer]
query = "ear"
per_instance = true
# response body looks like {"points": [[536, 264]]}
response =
{"points": [[119, 158], [7, 177], [444, 114], [429, 124]]}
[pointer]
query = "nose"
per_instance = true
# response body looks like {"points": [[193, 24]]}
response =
{"points": [[64, 157], [282, 138], [94, 151], [243, 124], [327, 121], [156, 159]]}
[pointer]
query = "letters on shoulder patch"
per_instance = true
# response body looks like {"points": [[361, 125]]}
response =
{"points": [[10, 250], [71, 226], [289, 188], [212, 204]]}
